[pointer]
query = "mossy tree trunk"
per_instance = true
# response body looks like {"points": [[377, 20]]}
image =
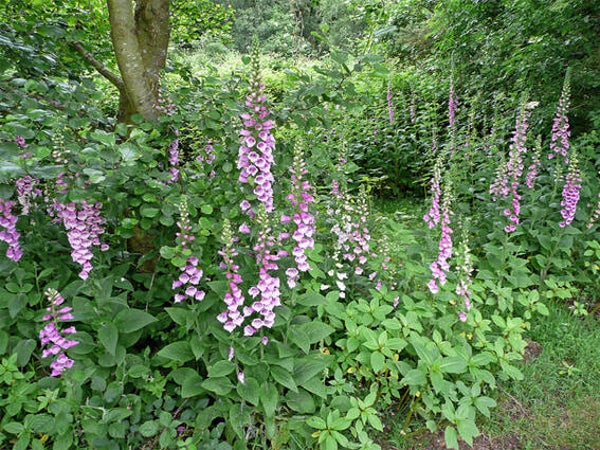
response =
{"points": [[140, 37]]}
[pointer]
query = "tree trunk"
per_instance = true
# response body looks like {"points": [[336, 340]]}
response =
{"points": [[140, 39]]}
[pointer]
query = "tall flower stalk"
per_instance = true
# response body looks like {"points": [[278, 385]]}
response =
{"points": [[515, 167], [8, 230], [440, 266], [300, 199], [570, 192], [84, 224], [234, 299], [255, 155], [53, 337], [559, 143], [390, 102], [266, 291]]}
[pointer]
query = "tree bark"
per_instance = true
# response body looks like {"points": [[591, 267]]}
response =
{"points": [[140, 40]]}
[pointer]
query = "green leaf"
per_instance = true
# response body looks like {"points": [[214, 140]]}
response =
{"points": [[415, 377], [249, 391], [316, 422], [220, 386], [221, 369], [130, 320], [24, 350], [108, 336], [316, 331], [103, 137], [269, 398], [284, 378], [177, 351], [483, 404], [149, 211], [179, 315], [467, 430], [298, 337], [301, 402], [377, 361], [453, 364], [307, 368], [451, 437], [311, 299], [13, 427], [375, 422], [192, 386], [149, 428]]}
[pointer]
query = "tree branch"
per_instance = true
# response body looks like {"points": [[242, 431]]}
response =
{"points": [[101, 68]]}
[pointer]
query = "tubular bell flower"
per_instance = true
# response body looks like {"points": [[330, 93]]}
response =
{"points": [[9, 233], [570, 192], [255, 156], [533, 169], [174, 160], [268, 286], [390, 102], [53, 337], [191, 274], [515, 166], [84, 225], [464, 280], [440, 266], [432, 217], [559, 144], [231, 318], [300, 198]]}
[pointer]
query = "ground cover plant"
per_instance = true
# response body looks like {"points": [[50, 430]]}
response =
{"points": [[215, 270]]}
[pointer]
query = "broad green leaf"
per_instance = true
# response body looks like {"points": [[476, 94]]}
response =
{"points": [[377, 361], [221, 369], [149, 428], [415, 377], [220, 386], [269, 398], [453, 364], [108, 335], [284, 378], [451, 437], [130, 320], [249, 391], [316, 331], [192, 386], [177, 351], [301, 402]]}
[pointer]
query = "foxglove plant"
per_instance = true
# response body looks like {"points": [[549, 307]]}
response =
{"points": [[27, 190], [515, 167], [174, 161], [255, 156], [267, 288], [234, 299], [452, 106], [465, 269], [390, 102], [186, 285], [595, 215], [352, 232], [570, 192], [300, 198], [534, 168], [440, 266], [432, 217], [559, 144], [84, 224], [8, 230], [53, 338]]}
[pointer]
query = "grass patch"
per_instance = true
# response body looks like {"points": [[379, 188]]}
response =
{"points": [[555, 407]]}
